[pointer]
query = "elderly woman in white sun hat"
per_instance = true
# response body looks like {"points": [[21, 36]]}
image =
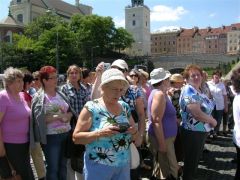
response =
{"points": [[106, 127], [163, 126]]}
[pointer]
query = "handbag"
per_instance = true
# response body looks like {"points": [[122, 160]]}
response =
{"points": [[73, 150], [135, 158], [14, 175]]}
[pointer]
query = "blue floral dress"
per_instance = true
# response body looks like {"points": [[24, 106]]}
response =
{"points": [[190, 95], [113, 150]]}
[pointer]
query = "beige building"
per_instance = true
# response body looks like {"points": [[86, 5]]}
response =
{"points": [[164, 43], [137, 22], [26, 11], [233, 37], [22, 12], [221, 40]]}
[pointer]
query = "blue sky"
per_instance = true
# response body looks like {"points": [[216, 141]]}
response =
{"points": [[166, 14]]}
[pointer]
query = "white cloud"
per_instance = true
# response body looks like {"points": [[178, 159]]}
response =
{"points": [[119, 22], [167, 28], [165, 13], [212, 15]]}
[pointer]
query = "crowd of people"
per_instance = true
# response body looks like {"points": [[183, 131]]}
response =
{"points": [[84, 127]]}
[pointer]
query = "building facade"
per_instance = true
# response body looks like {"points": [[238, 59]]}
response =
{"points": [[9, 26], [164, 43], [222, 40], [233, 37], [25, 11], [137, 23], [22, 12]]}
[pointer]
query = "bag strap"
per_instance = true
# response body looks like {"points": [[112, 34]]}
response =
{"points": [[13, 171]]}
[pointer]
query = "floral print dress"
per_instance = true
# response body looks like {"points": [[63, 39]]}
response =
{"points": [[113, 150], [190, 95]]}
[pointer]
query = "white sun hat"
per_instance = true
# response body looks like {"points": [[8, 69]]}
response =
{"points": [[113, 75], [120, 63], [158, 75]]}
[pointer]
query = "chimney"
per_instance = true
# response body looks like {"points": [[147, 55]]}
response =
{"points": [[77, 3], [209, 28]]}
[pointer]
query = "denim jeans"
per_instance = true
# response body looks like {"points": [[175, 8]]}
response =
{"points": [[54, 154], [218, 115]]}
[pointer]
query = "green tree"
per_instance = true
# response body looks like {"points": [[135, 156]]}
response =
{"points": [[96, 31], [122, 39]]}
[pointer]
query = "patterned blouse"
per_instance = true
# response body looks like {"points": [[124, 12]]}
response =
{"points": [[188, 96], [113, 150]]}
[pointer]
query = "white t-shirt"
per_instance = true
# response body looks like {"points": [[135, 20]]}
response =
{"points": [[236, 117], [218, 92]]}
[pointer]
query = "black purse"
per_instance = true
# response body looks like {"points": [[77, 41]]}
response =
{"points": [[9, 169], [73, 150]]}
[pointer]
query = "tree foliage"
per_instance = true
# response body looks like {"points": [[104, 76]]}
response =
{"points": [[74, 42]]}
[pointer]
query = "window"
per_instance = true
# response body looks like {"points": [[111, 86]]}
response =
{"points": [[133, 15], [19, 1], [133, 22], [7, 38], [146, 24], [20, 17]]}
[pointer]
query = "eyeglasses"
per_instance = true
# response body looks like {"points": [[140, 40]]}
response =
{"points": [[133, 75], [54, 77], [35, 79]]}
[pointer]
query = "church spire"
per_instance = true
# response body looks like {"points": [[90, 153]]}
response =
{"points": [[137, 3]]}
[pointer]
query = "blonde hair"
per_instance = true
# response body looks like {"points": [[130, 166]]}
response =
{"points": [[10, 75], [76, 68]]}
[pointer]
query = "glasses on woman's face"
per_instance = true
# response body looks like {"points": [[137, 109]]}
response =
{"points": [[133, 75], [53, 77], [35, 79]]}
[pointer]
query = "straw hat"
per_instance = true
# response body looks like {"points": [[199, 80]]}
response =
{"points": [[144, 73], [120, 63], [176, 78], [113, 75]]}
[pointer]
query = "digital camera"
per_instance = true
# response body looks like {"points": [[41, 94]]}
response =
{"points": [[123, 127]]}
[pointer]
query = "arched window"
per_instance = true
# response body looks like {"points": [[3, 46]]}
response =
{"points": [[20, 17]]}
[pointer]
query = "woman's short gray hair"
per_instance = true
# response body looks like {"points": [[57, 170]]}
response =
{"points": [[10, 75]]}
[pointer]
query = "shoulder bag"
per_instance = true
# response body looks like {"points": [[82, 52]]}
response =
{"points": [[14, 175]]}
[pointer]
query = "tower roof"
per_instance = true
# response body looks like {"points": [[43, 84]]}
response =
{"points": [[10, 22]]}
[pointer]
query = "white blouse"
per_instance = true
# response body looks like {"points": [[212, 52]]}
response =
{"points": [[236, 116]]}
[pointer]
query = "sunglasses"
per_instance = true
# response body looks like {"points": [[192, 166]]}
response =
{"points": [[35, 79], [133, 75]]}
